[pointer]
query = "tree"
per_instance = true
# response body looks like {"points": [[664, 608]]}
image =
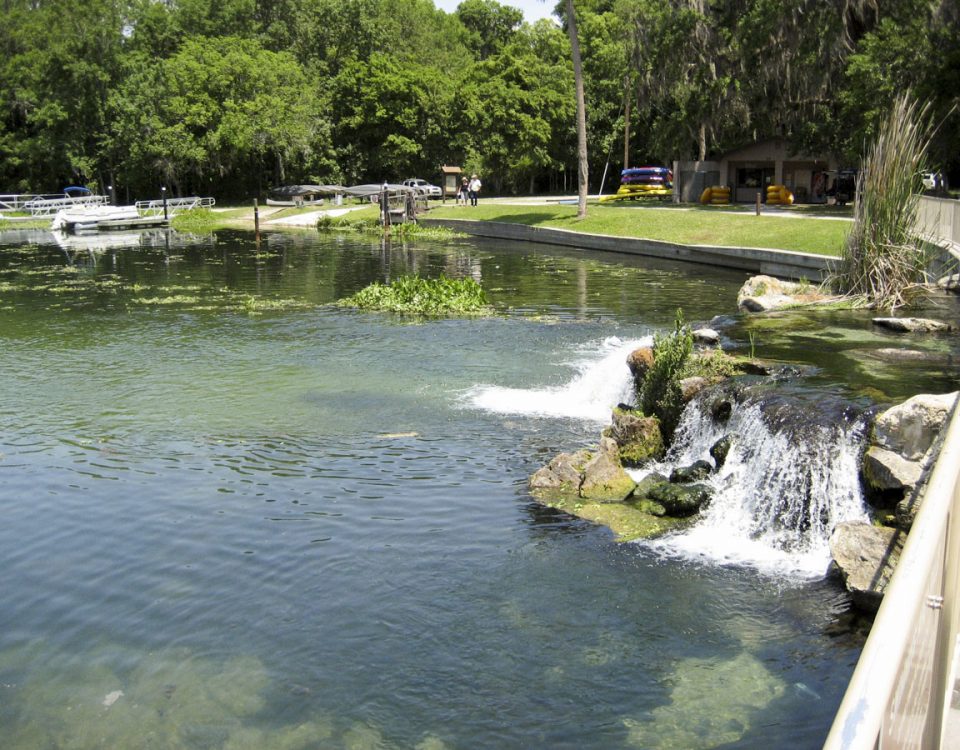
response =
{"points": [[582, 165]]}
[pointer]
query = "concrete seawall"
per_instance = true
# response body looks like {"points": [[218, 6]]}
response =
{"points": [[785, 264]]}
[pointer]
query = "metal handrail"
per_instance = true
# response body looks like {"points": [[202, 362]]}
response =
{"points": [[900, 690]]}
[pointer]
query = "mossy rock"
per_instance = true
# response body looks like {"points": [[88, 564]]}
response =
{"points": [[627, 521], [680, 500]]}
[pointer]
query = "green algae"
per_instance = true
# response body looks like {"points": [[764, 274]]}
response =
{"points": [[628, 520], [712, 702]]}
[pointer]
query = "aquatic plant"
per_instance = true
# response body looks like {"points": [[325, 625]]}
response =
{"points": [[199, 220], [418, 296], [883, 258], [661, 395]]}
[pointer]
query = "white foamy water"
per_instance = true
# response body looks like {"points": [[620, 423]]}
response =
{"points": [[776, 498], [602, 381]]}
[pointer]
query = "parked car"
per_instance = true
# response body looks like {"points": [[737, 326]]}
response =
{"points": [[423, 187], [933, 181]]}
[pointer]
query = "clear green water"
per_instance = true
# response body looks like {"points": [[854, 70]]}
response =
{"points": [[235, 517]]}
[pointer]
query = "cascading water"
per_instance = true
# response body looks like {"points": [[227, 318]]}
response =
{"points": [[790, 476], [786, 482], [603, 381]]}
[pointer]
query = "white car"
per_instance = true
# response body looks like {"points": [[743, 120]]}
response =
{"points": [[933, 181], [423, 187]]}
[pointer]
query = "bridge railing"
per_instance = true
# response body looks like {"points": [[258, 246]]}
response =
{"points": [[900, 691], [939, 219]]}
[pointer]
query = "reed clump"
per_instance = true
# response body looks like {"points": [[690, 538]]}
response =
{"points": [[883, 259]]}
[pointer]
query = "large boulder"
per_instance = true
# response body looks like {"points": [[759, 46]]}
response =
{"points": [[885, 471], [563, 475], [763, 293], [680, 500], [720, 449], [693, 473], [910, 428], [638, 437], [604, 479], [639, 361], [865, 557]]}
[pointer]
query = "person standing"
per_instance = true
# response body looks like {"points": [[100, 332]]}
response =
{"points": [[463, 192], [475, 186]]}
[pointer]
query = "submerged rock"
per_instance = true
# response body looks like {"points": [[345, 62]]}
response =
{"points": [[913, 325], [865, 556]]}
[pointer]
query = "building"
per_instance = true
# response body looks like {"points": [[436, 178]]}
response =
{"points": [[749, 169]]}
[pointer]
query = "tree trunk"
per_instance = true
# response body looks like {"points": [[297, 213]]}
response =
{"points": [[702, 140], [626, 125], [582, 175]]}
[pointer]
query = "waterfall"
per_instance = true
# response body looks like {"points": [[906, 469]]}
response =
{"points": [[791, 475], [602, 381]]}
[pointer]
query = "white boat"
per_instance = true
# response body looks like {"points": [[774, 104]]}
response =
{"points": [[88, 217]]}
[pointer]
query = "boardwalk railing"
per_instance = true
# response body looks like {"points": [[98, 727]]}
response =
{"points": [[939, 218], [174, 205], [900, 692]]}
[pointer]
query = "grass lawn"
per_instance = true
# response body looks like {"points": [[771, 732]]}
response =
{"points": [[689, 227]]}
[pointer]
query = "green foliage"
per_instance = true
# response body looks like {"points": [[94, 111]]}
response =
{"points": [[197, 220], [418, 296], [712, 364], [660, 395]]}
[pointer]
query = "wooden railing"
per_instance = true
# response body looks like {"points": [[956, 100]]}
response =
{"points": [[900, 692]]}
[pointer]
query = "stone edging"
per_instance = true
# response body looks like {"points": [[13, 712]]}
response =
{"points": [[781, 263]]}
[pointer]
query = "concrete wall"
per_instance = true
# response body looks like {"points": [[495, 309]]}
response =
{"points": [[781, 263]]}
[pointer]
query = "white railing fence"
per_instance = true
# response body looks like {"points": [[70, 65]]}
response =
{"points": [[900, 691]]}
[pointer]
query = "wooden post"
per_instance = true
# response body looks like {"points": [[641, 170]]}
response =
{"points": [[256, 218], [758, 204]]}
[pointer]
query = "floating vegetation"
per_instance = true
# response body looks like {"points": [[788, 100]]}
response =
{"points": [[417, 296]]}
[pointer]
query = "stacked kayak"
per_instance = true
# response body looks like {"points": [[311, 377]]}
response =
{"points": [[718, 195], [643, 182], [779, 195]]}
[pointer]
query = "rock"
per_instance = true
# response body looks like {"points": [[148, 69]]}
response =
{"points": [[693, 473], [720, 449], [639, 361], [865, 557], [757, 367], [909, 355], [906, 510], [638, 437], [646, 484], [910, 428], [763, 293], [680, 500], [885, 470], [562, 475], [604, 479], [721, 409], [706, 336], [913, 325], [690, 387], [951, 282]]}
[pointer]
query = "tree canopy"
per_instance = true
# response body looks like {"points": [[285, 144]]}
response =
{"points": [[231, 97]]}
